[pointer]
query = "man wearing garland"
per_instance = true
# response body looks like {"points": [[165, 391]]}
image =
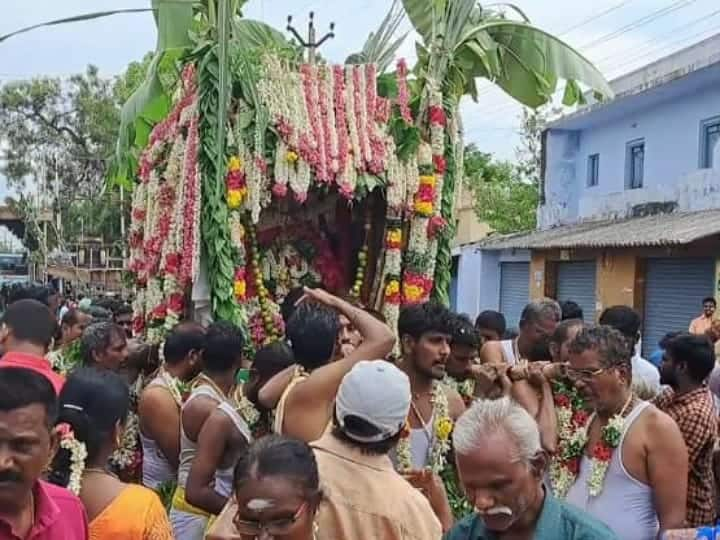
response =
{"points": [[687, 363], [626, 462], [425, 332], [160, 403], [463, 355], [502, 465], [221, 359]]}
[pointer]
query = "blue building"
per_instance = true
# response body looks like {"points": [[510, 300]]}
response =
{"points": [[630, 205]]}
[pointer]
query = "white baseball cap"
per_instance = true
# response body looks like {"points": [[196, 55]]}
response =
{"points": [[379, 393]]}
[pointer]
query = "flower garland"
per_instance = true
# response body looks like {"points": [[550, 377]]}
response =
{"points": [[126, 460], [164, 233], [403, 98], [178, 389], [442, 427], [465, 388], [573, 425], [78, 454]]}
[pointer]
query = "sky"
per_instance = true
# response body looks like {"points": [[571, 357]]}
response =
{"points": [[618, 35]]}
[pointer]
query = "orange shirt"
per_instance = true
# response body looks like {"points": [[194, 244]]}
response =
{"points": [[35, 363]]}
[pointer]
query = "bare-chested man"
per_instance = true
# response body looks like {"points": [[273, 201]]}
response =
{"points": [[644, 489], [222, 356], [160, 402], [305, 408]]}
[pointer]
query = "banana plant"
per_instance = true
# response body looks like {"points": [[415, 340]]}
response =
{"points": [[382, 45], [461, 42]]}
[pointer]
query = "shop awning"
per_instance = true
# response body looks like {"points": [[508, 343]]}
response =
{"points": [[657, 230]]}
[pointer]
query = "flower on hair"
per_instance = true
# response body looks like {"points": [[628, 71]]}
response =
{"points": [[78, 455]]}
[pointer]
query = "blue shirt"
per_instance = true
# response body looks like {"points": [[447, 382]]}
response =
{"points": [[558, 521]]}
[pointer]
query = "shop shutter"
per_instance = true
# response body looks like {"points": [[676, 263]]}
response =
{"points": [[576, 281], [674, 290], [514, 291]]}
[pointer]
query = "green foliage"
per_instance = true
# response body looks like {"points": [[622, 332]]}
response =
{"points": [[382, 45], [502, 198], [443, 265], [174, 19], [462, 41], [213, 83]]}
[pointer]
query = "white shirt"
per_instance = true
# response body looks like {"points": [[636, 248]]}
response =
{"points": [[646, 377]]}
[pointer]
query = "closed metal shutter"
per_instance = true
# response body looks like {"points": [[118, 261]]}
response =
{"points": [[674, 290], [514, 291], [576, 281]]}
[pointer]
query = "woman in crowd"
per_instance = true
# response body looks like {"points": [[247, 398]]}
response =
{"points": [[93, 408], [277, 493]]}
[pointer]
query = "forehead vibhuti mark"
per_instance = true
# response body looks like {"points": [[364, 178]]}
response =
{"points": [[258, 505]]}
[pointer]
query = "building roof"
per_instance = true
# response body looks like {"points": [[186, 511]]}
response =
{"points": [[658, 230]]}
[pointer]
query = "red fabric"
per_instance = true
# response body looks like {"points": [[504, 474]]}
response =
{"points": [[59, 515], [35, 363]]}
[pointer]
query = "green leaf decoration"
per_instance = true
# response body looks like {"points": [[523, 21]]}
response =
{"points": [[382, 46], [74, 19]]}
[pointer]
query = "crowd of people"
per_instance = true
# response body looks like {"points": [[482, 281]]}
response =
{"points": [[454, 429]]}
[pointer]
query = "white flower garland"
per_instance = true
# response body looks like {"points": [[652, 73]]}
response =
{"points": [[441, 429], [78, 455]]}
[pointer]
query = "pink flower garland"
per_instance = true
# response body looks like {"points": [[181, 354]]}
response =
{"points": [[191, 218], [340, 121], [403, 99]]}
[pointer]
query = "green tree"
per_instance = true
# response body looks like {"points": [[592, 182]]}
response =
{"points": [[67, 129], [502, 197]]}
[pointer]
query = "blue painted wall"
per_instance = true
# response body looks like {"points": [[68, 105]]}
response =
{"points": [[670, 124]]}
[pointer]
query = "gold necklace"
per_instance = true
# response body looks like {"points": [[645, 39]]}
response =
{"points": [[99, 470]]}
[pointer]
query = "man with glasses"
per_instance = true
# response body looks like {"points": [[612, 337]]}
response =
{"points": [[633, 470]]}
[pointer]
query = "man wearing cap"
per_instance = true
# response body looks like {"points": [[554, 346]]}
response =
{"points": [[366, 497]]}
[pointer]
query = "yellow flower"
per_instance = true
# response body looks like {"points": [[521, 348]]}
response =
{"points": [[235, 197], [428, 180], [413, 292], [394, 236], [291, 157], [443, 428], [240, 288], [235, 163], [424, 208], [393, 287]]}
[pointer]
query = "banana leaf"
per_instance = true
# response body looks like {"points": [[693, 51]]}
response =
{"points": [[73, 19], [524, 61], [533, 61], [174, 19], [251, 34], [380, 48]]}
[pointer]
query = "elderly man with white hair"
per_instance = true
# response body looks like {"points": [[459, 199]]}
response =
{"points": [[502, 464]]}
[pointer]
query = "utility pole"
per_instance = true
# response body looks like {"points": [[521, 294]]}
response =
{"points": [[311, 44]]}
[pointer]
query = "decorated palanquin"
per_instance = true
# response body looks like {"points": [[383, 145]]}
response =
{"points": [[333, 177]]}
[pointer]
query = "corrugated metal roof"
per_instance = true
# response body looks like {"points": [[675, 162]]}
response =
{"points": [[657, 230]]}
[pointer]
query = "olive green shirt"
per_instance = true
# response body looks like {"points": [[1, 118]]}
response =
{"points": [[558, 521]]}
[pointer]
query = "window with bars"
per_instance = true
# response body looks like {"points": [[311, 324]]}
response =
{"points": [[635, 165], [709, 139], [593, 170]]}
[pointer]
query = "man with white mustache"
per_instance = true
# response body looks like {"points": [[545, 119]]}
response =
{"points": [[502, 464]]}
